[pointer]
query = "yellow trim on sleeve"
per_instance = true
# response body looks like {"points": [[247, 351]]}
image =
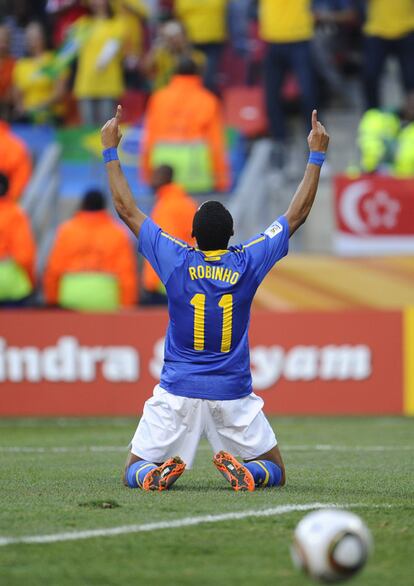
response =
{"points": [[254, 242], [174, 240]]}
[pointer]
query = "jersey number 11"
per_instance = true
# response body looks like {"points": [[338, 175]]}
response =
{"points": [[199, 304]]}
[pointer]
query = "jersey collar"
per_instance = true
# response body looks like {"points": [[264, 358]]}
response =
{"points": [[212, 255]]}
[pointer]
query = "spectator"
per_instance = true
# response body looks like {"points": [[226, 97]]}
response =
{"points": [[99, 76], [63, 14], [37, 96], [174, 212], [333, 18], [133, 14], [287, 28], [15, 161], [17, 250], [7, 63], [92, 265], [206, 26], [17, 14], [171, 45], [184, 129], [389, 30]]}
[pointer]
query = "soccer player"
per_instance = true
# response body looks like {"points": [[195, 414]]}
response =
{"points": [[206, 385]]}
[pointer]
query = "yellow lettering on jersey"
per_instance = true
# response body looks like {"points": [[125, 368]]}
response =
{"points": [[198, 302], [234, 278], [226, 302], [200, 271], [219, 273], [226, 276], [216, 273]]}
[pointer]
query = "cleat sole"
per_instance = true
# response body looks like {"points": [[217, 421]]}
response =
{"points": [[239, 477]]}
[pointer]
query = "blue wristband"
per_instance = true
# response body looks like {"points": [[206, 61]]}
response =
{"points": [[316, 158], [110, 154]]}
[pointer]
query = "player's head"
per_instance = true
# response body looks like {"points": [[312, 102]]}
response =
{"points": [[4, 185], [93, 201], [212, 226], [161, 175]]}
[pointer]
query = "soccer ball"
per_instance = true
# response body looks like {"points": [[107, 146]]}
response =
{"points": [[331, 545]]}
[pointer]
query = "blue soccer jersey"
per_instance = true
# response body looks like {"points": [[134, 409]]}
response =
{"points": [[209, 299]]}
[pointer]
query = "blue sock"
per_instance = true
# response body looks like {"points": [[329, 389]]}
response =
{"points": [[137, 472], [265, 473]]}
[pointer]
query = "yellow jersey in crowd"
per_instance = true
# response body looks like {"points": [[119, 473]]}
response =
{"points": [[35, 87], [390, 19], [204, 20], [106, 82], [285, 21]]}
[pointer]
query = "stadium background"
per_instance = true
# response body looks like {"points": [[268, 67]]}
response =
{"points": [[332, 328], [332, 331]]}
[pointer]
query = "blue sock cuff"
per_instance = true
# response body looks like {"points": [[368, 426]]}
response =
{"points": [[265, 473], [137, 472]]}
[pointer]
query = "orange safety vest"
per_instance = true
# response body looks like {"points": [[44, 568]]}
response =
{"points": [[173, 212], [16, 238], [15, 161], [92, 242], [186, 111]]}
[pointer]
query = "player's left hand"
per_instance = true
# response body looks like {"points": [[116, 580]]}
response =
{"points": [[111, 133]]}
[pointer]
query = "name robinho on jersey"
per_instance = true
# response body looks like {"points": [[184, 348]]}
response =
{"points": [[215, 273]]}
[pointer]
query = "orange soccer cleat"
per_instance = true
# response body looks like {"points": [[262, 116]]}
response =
{"points": [[238, 475], [162, 477]]}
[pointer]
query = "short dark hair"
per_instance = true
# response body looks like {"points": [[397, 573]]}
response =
{"points": [[4, 185], [212, 226], [186, 66], [93, 201]]}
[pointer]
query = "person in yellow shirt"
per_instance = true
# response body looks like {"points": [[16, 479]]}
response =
{"points": [[133, 14], [99, 77], [206, 26], [170, 46], [37, 97], [389, 30], [287, 29]]}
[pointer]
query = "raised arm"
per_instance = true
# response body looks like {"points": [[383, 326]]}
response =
{"points": [[302, 201], [122, 197]]}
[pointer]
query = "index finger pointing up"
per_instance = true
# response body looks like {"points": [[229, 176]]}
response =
{"points": [[118, 113], [314, 119]]}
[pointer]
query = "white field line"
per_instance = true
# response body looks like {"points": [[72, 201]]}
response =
{"points": [[175, 524], [293, 448]]}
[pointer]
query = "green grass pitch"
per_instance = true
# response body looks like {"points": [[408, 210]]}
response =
{"points": [[366, 462]]}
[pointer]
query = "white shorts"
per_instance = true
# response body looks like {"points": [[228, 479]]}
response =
{"points": [[173, 426]]}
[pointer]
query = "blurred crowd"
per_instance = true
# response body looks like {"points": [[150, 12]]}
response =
{"points": [[69, 62], [57, 52]]}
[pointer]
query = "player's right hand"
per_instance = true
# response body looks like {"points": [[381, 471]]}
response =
{"points": [[318, 138], [111, 133]]}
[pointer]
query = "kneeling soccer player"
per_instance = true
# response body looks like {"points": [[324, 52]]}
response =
{"points": [[206, 386]]}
